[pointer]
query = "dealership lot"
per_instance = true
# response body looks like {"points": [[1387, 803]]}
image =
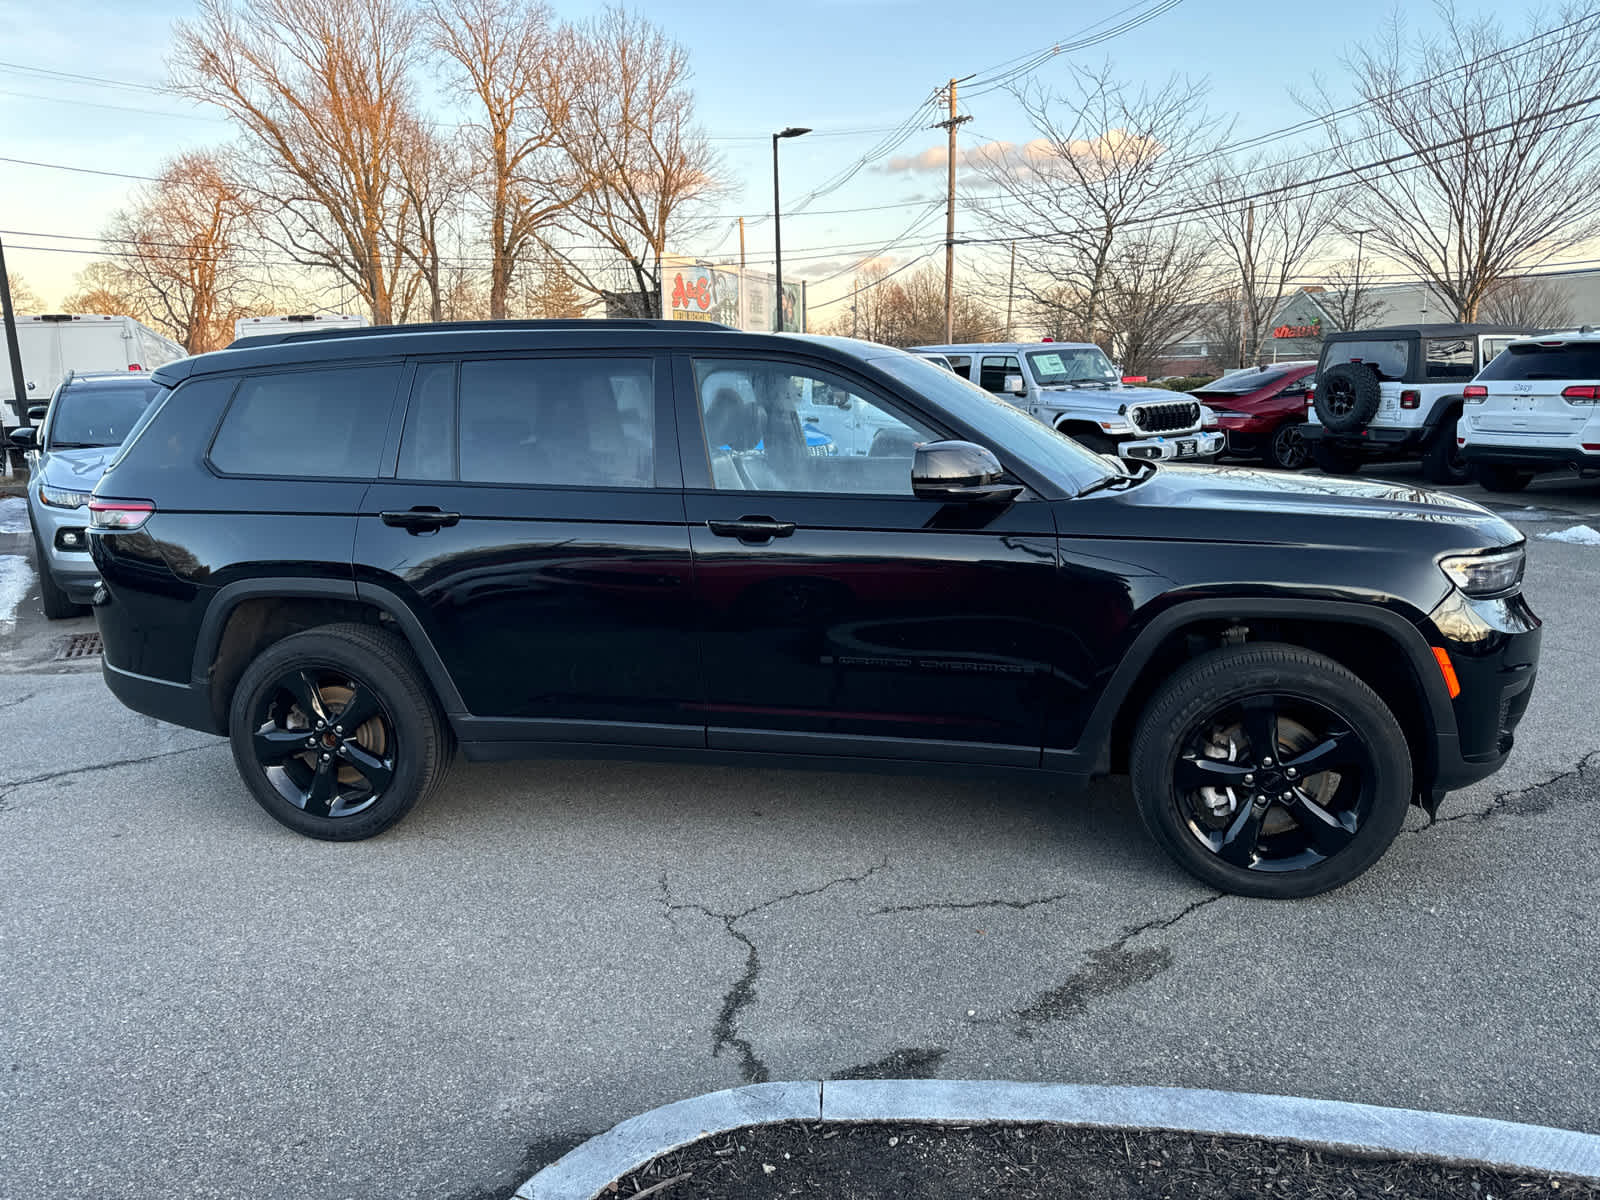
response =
{"points": [[201, 1003]]}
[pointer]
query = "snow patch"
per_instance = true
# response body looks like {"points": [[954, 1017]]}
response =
{"points": [[16, 576], [1578, 535], [13, 515]]}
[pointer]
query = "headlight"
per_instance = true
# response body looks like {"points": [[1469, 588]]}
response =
{"points": [[56, 498], [1485, 575], [1208, 417]]}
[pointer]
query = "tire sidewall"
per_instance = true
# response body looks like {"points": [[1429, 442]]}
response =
{"points": [[1188, 697], [1366, 391], [1443, 461], [410, 729]]}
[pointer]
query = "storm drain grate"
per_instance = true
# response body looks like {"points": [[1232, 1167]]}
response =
{"points": [[80, 645]]}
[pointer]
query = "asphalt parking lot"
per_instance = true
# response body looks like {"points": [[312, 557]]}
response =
{"points": [[200, 1003]]}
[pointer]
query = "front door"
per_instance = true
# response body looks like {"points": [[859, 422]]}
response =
{"points": [[535, 526], [840, 614]]}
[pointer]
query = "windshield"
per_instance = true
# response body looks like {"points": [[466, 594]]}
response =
{"points": [[90, 414], [1005, 428], [1243, 381], [1077, 364]]}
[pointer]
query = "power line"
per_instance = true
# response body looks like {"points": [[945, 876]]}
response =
{"points": [[153, 112], [76, 77]]}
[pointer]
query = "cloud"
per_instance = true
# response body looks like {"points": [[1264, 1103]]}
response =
{"points": [[835, 266], [1015, 159]]}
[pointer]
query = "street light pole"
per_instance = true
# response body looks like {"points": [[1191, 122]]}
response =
{"points": [[777, 231]]}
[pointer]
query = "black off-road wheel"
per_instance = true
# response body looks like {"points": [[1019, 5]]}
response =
{"points": [[1444, 461], [1348, 395], [1270, 771], [1331, 460], [1498, 477], [1288, 449], [57, 605], [336, 732]]}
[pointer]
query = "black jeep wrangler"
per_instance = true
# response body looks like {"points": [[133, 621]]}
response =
{"points": [[354, 551]]}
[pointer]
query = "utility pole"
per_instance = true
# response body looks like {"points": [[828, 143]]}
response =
{"points": [[950, 217], [741, 247], [1011, 289], [1249, 280], [18, 384]]}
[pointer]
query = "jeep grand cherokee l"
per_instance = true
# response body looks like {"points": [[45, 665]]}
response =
{"points": [[352, 553]]}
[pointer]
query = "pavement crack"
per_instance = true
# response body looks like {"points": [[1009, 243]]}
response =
{"points": [[958, 905], [1514, 801], [725, 1034], [12, 785], [1110, 969]]}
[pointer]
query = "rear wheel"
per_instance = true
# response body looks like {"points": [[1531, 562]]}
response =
{"points": [[54, 600], [1443, 460], [1288, 449], [1333, 461], [1497, 477], [1271, 771], [336, 733]]}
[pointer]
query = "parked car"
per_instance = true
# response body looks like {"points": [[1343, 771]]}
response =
{"points": [[81, 428], [606, 539], [1535, 408], [1396, 393], [55, 344], [1262, 411], [937, 360], [1076, 390]]}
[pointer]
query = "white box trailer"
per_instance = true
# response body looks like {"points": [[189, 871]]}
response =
{"points": [[258, 326], [54, 343]]}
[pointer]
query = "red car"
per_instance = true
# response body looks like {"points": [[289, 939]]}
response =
{"points": [[1261, 411]]}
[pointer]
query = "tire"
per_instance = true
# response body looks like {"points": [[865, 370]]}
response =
{"points": [[1333, 461], [1280, 836], [1098, 443], [1442, 461], [1287, 449], [1498, 477], [1348, 395], [377, 772], [57, 606]]}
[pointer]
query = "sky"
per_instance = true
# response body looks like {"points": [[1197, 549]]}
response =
{"points": [[836, 66]]}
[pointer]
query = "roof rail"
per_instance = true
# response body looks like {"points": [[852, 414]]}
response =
{"points": [[316, 335]]}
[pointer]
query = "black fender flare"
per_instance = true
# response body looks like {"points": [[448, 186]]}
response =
{"points": [[230, 596], [1443, 408]]}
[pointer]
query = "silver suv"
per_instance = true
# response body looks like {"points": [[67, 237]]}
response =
{"points": [[1073, 388], [82, 429]]}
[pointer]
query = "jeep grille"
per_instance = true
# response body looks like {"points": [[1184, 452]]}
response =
{"points": [[1165, 418]]}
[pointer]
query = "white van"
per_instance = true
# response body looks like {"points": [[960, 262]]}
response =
{"points": [[259, 326], [56, 343]]}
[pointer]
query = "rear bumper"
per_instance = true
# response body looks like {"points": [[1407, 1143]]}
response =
{"points": [[1539, 458], [1377, 441], [178, 703]]}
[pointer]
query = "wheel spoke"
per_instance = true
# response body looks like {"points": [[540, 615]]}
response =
{"points": [[1324, 829], [1195, 773], [320, 795], [1334, 751], [1261, 726], [361, 707], [307, 695], [1238, 844], [377, 771], [273, 745]]}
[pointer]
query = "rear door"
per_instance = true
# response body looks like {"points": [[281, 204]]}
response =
{"points": [[534, 525]]}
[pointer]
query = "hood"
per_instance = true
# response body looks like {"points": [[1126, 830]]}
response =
{"points": [[1239, 504], [77, 470]]}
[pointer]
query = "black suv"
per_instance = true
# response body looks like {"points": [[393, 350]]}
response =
{"points": [[351, 552]]}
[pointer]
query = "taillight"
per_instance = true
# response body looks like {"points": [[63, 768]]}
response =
{"points": [[1583, 393], [1410, 399], [119, 514], [1474, 393], [135, 367]]}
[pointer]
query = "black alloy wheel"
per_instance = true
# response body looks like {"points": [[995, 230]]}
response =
{"points": [[336, 732], [1288, 449], [1445, 461], [1269, 770]]}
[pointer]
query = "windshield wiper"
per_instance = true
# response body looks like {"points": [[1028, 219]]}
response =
{"points": [[54, 445], [1144, 470]]}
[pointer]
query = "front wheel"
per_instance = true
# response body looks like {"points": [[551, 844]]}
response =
{"points": [[1272, 771], [336, 733], [1497, 477], [1097, 442], [57, 605], [1288, 449]]}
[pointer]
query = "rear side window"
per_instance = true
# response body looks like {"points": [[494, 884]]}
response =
{"points": [[428, 448], [574, 422], [993, 370], [1450, 358], [961, 364], [322, 424], [1392, 360], [1564, 360]]}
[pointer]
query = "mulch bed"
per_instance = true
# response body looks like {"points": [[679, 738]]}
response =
{"points": [[905, 1161]]}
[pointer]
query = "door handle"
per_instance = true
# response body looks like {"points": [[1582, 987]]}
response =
{"points": [[752, 530], [425, 518]]}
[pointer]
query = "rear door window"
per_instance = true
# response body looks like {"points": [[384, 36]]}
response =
{"points": [[1450, 358], [312, 424], [994, 369], [1562, 360], [1391, 359], [961, 364]]}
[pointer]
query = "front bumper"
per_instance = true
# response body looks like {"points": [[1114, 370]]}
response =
{"points": [[63, 535], [1200, 444]]}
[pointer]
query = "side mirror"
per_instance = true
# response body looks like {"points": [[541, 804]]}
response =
{"points": [[959, 472], [25, 439], [36, 412], [1015, 386]]}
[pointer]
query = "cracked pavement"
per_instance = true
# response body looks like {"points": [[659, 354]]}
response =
{"points": [[199, 1003]]}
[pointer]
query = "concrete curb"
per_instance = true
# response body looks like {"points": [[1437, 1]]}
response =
{"points": [[581, 1174]]}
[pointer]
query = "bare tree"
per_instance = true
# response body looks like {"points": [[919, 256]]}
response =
{"points": [[1108, 160], [1349, 298], [509, 59], [1494, 168], [864, 314], [432, 175], [322, 89], [1266, 241], [23, 298], [105, 287], [643, 163], [1530, 302], [180, 249], [1151, 300], [908, 310]]}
